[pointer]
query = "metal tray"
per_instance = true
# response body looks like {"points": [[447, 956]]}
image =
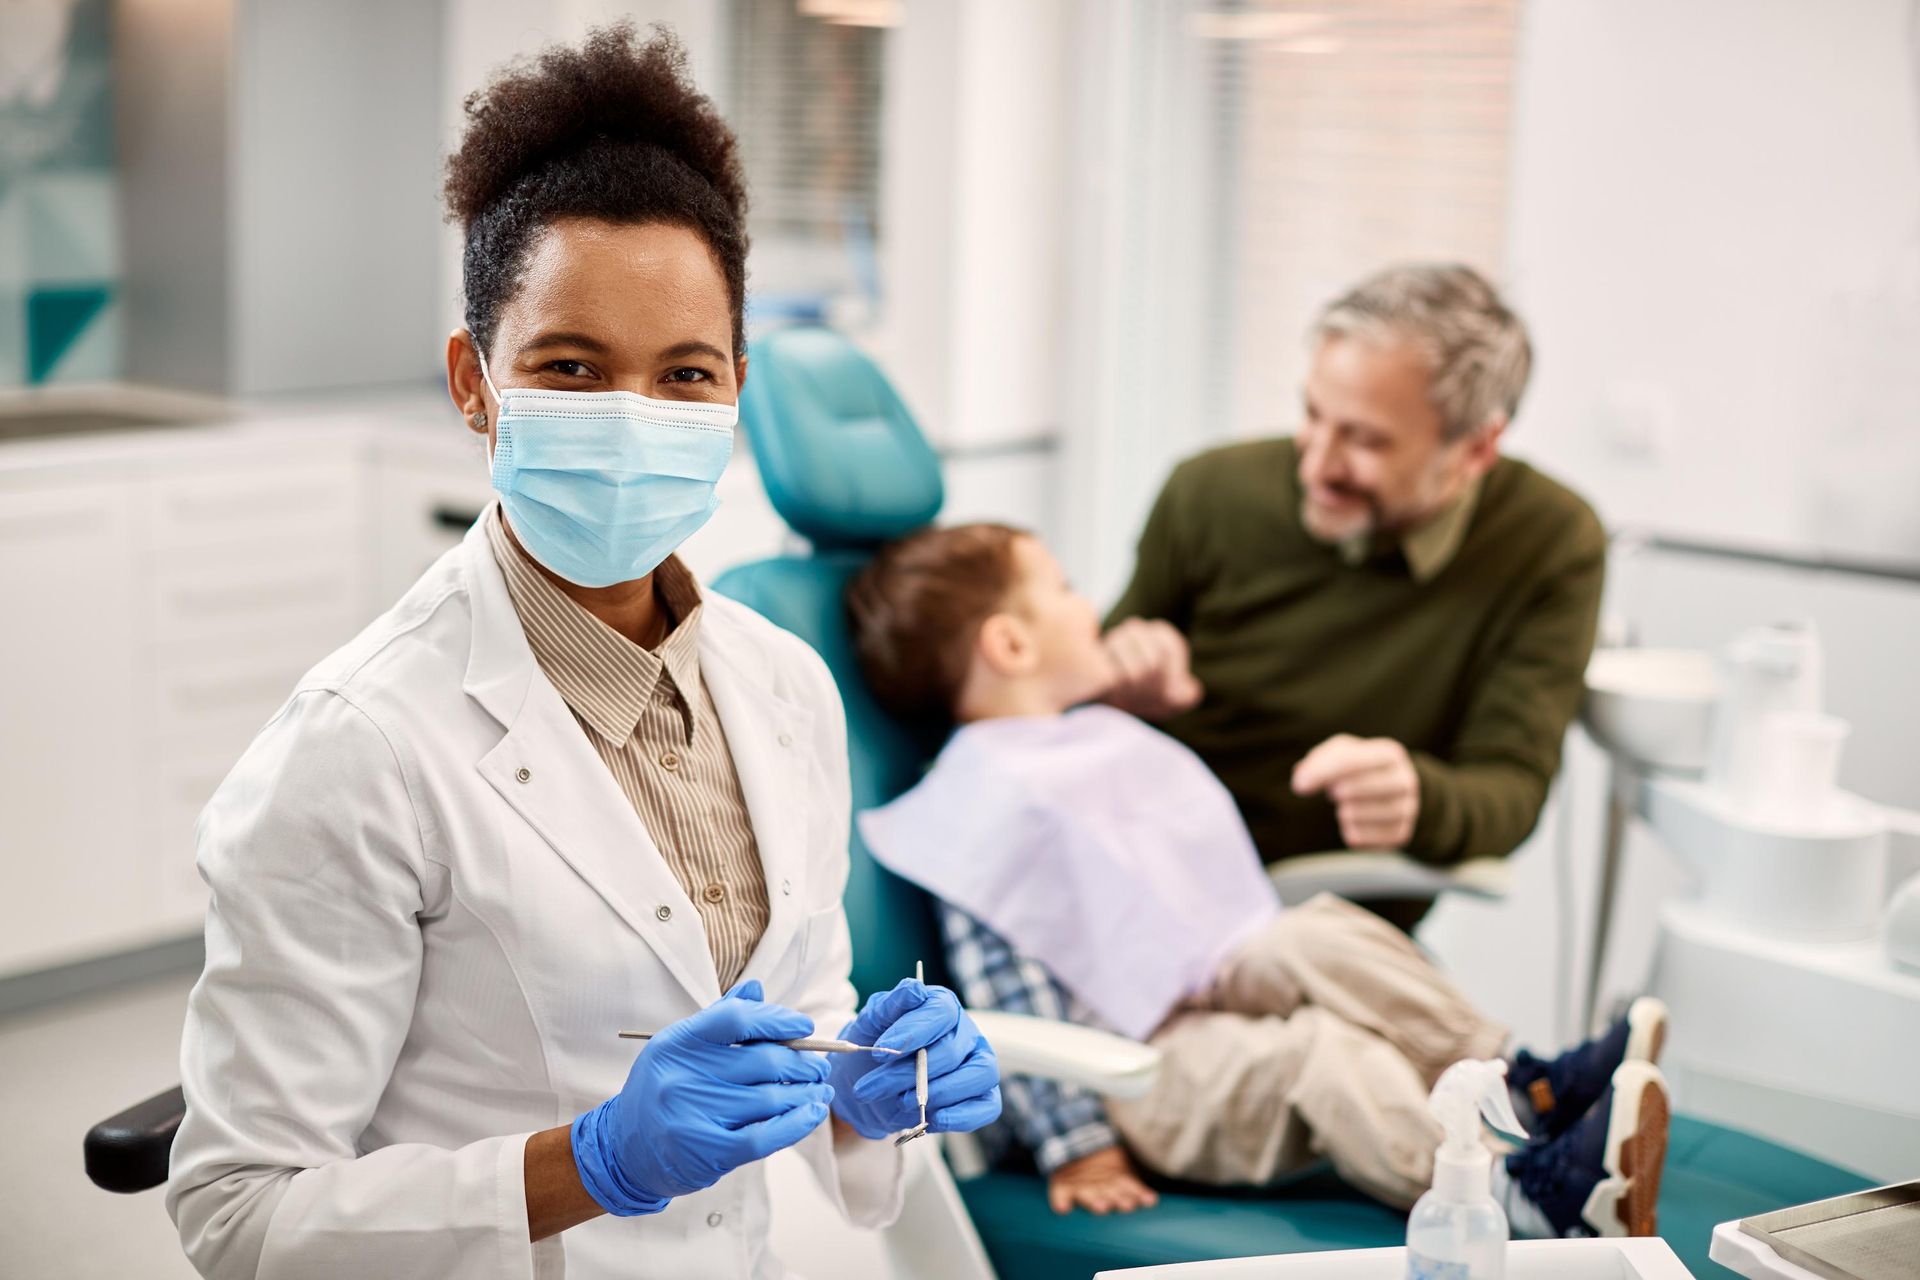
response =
{"points": [[1870, 1235]]}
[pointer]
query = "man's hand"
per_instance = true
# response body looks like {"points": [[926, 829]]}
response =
{"points": [[1372, 784], [1102, 1183], [1153, 675]]}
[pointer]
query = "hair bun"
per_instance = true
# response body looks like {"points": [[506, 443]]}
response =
{"points": [[611, 89]]}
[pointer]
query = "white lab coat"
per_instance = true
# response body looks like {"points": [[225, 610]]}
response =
{"points": [[433, 908]]}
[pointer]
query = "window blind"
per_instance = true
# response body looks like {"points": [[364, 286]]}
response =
{"points": [[805, 103], [1359, 132]]}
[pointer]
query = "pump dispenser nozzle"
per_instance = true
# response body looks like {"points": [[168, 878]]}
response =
{"points": [[1467, 1091]]}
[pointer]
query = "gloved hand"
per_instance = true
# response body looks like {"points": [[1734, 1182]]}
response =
{"points": [[704, 1097], [875, 1094]]}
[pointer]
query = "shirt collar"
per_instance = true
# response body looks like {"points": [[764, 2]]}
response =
{"points": [[1429, 546], [603, 676]]}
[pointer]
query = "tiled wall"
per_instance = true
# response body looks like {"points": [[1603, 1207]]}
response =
{"points": [[59, 241]]}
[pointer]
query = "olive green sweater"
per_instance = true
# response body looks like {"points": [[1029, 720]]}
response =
{"points": [[1477, 669]]}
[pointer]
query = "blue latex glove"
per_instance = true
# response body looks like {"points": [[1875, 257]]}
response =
{"points": [[702, 1099], [875, 1094]]}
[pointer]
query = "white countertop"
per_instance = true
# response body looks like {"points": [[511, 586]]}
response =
{"points": [[407, 415], [1649, 1259]]}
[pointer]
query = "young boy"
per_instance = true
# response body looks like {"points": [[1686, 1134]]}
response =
{"points": [[1090, 868]]}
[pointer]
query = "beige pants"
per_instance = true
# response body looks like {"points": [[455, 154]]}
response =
{"points": [[1320, 1037]]}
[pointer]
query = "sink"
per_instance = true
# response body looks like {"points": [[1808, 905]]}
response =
{"points": [[1654, 706], [60, 412]]}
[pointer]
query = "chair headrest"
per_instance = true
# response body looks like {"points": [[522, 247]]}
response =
{"points": [[840, 456]]}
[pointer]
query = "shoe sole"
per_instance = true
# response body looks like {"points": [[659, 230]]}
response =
{"points": [[1626, 1202], [1646, 1030]]}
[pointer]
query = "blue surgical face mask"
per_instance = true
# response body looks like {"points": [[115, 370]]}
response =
{"points": [[601, 486]]}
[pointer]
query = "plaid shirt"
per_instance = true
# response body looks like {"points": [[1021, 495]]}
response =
{"points": [[1057, 1123]]}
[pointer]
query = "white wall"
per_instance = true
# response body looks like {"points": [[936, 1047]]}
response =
{"points": [[1141, 370], [974, 216], [1716, 209], [1716, 241], [171, 104], [918, 215], [335, 195]]}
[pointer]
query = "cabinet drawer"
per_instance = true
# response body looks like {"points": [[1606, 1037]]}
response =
{"points": [[230, 690], [70, 818], [299, 501], [185, 776], [316, 594], [32, 517]]}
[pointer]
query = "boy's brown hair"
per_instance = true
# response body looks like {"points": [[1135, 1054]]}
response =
{"points": [[917, 607]]}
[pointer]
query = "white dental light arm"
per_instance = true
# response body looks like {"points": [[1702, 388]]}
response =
{"points": [[1106, 1063]]}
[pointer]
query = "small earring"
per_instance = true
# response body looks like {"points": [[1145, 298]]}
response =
{"points": [[480, 420]]}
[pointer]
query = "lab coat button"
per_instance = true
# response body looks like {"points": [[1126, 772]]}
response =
{"points": [[523, 775], [786, 887], [786, 739], [714, 1219], [664, 913]]}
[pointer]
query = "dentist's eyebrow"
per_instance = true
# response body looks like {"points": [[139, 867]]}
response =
{"points": [[681, 350], [580, 341]]}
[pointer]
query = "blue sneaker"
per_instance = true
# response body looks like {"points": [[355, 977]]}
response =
{"points": [[1549, 1095], [1602, 1176]]}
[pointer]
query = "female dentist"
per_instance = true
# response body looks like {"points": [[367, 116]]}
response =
{"points": [[555, 792]]}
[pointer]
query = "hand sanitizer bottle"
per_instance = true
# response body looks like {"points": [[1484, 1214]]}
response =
{"points": [[1458, 1231]]}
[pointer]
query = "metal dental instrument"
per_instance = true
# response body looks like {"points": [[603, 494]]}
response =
{"points": [[816, 1045], [919, 1076]]}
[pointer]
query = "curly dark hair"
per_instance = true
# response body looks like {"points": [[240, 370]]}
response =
{"points": [[613, 130]]}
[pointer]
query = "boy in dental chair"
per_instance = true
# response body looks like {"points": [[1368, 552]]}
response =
{"points": [[1090, 868]]}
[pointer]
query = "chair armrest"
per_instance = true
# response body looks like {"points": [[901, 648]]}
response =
{"points": [[129, 1152], [1362, 876], [1099, 1060]]}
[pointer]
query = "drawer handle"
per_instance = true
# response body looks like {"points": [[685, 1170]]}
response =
{"points": [[200, 697], [53, 524], [456, 519], [265, 502], [232, 599]]}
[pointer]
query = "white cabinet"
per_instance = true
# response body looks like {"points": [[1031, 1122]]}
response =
{"points": [[150, 623], [255, 569], [70, 769], [284, 497], [224, 691]]}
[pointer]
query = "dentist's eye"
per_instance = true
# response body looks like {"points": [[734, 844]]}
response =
{"points": [[569, 368], [689, 374]]}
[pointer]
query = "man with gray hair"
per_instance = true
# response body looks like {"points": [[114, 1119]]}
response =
{"points": [[1374, 630]]}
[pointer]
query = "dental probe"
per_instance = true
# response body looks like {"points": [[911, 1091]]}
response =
{"points": [[819, 1045]]}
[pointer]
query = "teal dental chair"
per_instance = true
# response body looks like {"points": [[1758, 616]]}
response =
{"points": [[846, 467]]}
